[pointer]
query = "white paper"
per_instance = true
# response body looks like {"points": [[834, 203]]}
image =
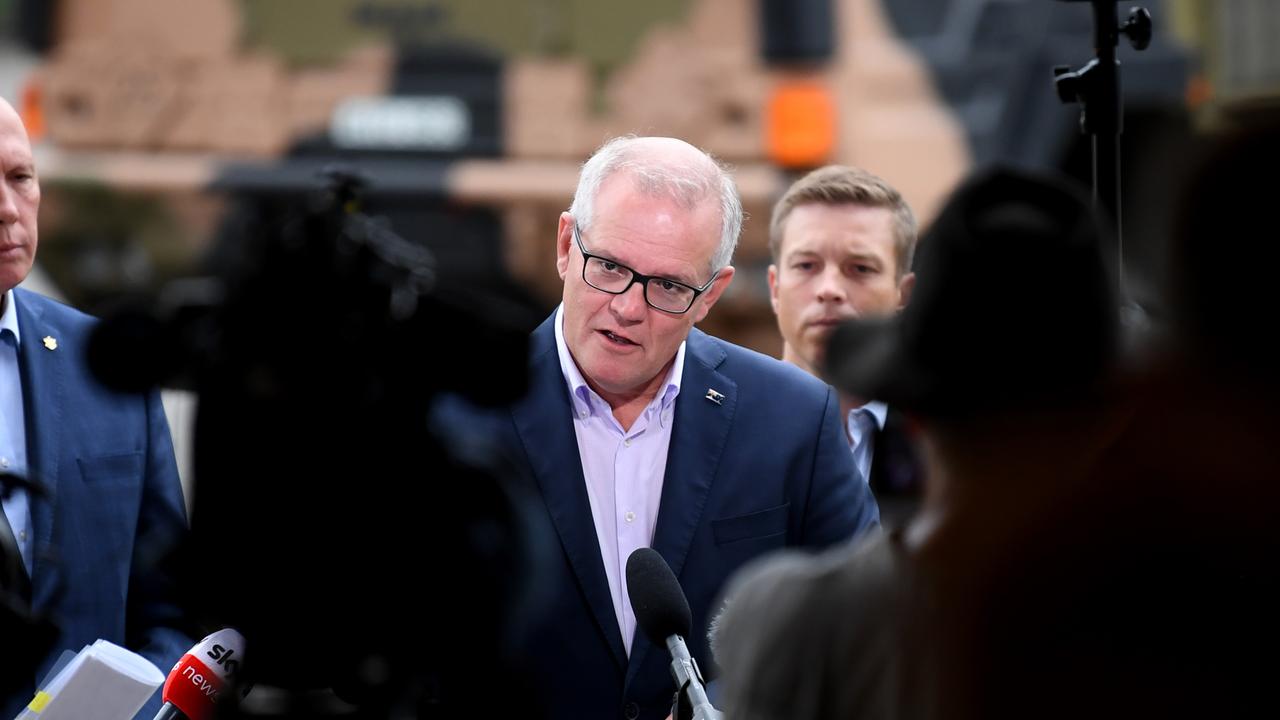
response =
{"points": [[104, 682]]}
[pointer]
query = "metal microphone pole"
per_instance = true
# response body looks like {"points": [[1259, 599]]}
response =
{"points": [[1096, 87]]}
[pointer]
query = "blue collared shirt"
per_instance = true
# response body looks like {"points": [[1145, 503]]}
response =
{"points": [[13, 429]]}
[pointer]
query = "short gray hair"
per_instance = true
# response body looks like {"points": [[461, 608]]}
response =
{"points": [[686, 184]]}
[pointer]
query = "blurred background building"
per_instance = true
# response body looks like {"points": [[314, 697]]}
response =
{"points": [[472, 116]]}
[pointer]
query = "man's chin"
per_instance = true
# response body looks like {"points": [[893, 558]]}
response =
{"points": [[817, 348], [820, 332], [11, 276]]}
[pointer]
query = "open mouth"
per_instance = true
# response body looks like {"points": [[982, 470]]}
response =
{"points": [[616, 339]]}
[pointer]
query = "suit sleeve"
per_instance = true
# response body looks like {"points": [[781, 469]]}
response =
{"points": [[158, 627], [840, 505]]}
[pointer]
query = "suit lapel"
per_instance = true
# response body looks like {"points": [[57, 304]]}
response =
{"points": [[544, 422], [698, 439], [44, 374]]}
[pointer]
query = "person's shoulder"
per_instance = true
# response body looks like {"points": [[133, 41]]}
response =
{"points": [[797, 589], [48, 310], [793, 608], [738, 362], [856, 567]]}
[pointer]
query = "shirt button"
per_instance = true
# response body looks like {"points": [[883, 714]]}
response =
{"points": [[4, 462], [583, 414], [22, 535], [630, 516], [626, 443]]}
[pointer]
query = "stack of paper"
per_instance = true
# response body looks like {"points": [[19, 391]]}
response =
{"points": [[103, 681]]}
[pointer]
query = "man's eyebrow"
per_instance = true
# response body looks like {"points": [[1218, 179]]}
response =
{"points": [[676, 278], [793, 253], [680, 279], [864, 257], [608, 257], [659, 276]]}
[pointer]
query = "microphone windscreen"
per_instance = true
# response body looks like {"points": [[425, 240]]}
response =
{"points": [[197, 681], [660, 605]]}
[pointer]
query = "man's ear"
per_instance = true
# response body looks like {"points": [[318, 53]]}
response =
{"points": [[773, 287], [709, 298], [564, 241], [905, 286]]}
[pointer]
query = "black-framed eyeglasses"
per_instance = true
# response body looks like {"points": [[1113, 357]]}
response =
{"points": [[611, 276]]}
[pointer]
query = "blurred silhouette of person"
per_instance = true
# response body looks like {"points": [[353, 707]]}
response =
{"points": [[104, 504], [641, 431], [1005, 357], [842, 242], [1194, 474]]}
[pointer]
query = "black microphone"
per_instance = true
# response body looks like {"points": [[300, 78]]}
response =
{"points": [[662, 612]]}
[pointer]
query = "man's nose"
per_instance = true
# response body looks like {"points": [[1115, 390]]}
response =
{"points": [[8, 204], [830, 289], [630, 305]]}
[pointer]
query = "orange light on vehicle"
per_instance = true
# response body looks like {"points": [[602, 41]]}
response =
{"points": [[1199, 91], [32, 110], [800, 125]]}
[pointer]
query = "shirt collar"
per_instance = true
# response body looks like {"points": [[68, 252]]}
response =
{"points": [[584, 398], [9, 318], [878, 410]]}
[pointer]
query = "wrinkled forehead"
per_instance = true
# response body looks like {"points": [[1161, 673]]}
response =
{"points": [[657, 220], [15, 148]]}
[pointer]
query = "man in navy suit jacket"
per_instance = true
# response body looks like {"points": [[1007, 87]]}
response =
{"points": [[107, 503], [640, 431]]}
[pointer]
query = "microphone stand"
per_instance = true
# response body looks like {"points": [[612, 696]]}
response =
{"points": [[690, 702], [1096, 87]]}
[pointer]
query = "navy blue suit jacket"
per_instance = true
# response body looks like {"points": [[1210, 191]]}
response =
{"points": [[768, 467], [112, 502]]}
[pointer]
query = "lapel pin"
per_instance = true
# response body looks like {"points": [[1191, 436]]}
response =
{"points": [[50, 342], [715, 396]]}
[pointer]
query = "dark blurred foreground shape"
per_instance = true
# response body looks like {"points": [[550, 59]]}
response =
{"points": [[1098, 538], [1151, 590], [372, 574]]}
